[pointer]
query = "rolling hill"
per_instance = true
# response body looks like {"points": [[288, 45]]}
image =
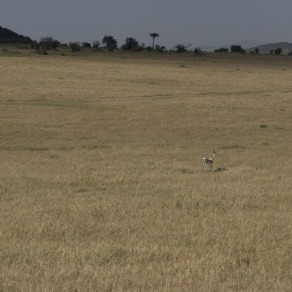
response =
{"points": [[9, 36], [250, 46], [267, 48]]}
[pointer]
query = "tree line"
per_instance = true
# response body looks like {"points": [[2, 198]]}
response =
{"points": [[239, 49], [109, 43]]}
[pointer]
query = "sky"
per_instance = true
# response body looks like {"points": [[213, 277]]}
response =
{"points": [[194, 22]]}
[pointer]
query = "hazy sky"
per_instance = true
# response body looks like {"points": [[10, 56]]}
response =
{"points": [[196, 22]]}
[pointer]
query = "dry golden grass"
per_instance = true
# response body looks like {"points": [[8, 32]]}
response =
{"points": [[101, 182]]}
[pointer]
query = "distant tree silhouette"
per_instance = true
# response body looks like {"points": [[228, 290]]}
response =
{"points": [[109, 42], [86, 45], [130, 44], [257, 50], [278, 51], [198, 52], [96, 45], [237, 49], [180, 48], [159, 48], [75, 47], [154, 35], [48, 43], [149, 48], [222, 50]]}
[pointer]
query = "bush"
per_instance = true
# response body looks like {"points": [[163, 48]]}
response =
{"points": [[237, 49], [278, 51], [198, 52], [86, 45], [159, 48], [75, 47], [110, 42], [222, 50], [131, 44], [48, 43], [180, 48], [96, 45]]}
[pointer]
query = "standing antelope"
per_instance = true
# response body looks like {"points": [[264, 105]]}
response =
{"points": [[208, 162]]}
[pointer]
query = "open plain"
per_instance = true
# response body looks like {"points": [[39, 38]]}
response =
{"points": [[101, 179]]}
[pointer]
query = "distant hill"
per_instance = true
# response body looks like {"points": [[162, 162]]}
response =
{"points": [[250, 46], [8, 36], [244, 44], [267, 48]]}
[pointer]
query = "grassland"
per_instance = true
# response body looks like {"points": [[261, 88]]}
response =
{"points": [[101, 184]]}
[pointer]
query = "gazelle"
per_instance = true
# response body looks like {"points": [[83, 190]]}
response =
{"points": [[208, 161]]}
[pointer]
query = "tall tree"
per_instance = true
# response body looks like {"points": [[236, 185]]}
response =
{"points": [[109, 42], [154, 35]]}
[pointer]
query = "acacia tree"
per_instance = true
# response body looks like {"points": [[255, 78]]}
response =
{"points": [[154, 35], [109, 42]]}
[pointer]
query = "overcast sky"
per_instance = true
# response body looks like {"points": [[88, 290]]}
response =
{"points": [[196, 22]]}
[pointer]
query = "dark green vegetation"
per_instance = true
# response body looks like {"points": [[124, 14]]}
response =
{"points": [[8, 36], [109, 43]]}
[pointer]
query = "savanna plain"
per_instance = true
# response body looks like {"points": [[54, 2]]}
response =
{"points": [[101, 179]]}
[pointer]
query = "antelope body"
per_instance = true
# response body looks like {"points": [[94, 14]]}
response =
{"points": [[208, 161]]}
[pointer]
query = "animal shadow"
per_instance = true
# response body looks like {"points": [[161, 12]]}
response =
{"points": [[220, 169]]}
